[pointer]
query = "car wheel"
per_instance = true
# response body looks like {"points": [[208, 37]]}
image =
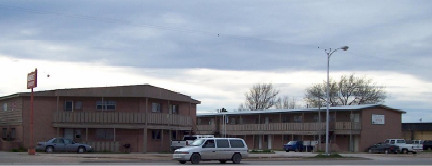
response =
{"points": [[81, 149], [386, 151], [195, 158], [286, 150], [182, 162], [222, 161], [236, 158], [429, 149], [49, 149], [370, 151], [296, 150]]}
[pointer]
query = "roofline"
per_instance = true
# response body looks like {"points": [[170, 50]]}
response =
{"points": [[305, 110]]}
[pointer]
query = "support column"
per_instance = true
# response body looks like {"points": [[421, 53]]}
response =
{"points": [[58, 131], [162, 139], [145, 140], [57, 104], [86, 134], [114, 134]]}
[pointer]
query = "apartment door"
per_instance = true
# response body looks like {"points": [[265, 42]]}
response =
{"points": [[69, 133], [356, 143]]}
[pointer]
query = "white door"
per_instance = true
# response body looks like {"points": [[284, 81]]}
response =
{"points": [[356, 143], [69, 133], [260, 141], [267, 120]]}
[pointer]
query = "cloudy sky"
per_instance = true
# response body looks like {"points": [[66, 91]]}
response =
{"points": [[215, 51]]}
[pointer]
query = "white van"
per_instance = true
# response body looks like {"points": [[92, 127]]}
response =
{"points": [[222, 149]]}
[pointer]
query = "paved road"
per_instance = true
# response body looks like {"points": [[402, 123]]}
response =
{"points": [[280, 158]]}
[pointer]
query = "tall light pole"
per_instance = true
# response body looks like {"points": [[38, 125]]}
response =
{"points": [[329, 53]]}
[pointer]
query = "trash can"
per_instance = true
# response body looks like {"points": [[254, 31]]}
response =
{"points": [[127, 148]]}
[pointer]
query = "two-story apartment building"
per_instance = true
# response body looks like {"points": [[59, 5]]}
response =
{"points": [[352, 128], [144, 116]]}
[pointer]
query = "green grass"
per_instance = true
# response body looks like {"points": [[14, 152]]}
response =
{"points": [[329, 156], [20, 149], [266, 151]]}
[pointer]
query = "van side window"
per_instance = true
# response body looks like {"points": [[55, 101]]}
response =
{"points": [[209, 144], [223, 143], [236, 144]]}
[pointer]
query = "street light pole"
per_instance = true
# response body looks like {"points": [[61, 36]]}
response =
{"points": [[329, 53]]}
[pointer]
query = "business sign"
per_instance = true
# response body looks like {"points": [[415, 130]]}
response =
{"points": [[378, 119], [32, 80]]}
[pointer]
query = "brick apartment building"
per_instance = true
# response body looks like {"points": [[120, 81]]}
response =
{"points": [[144, 116], [352, 128]]}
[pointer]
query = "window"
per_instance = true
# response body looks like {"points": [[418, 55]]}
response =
{"points": [[12, 134], [209, 144], [285, 119], [4, 107], [400, 141], [107, 105], [105, 133], [156, 107], [156, 134], [315, 118], [173, 135], [59, 141], [67, 141], [222, 143], [4, 135], [78, 105], [233, 121], [237, 144], [175, 109], [298, 119], [68, 105]]}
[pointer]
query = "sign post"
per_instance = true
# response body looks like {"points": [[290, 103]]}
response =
{"points": [[31, 83]]}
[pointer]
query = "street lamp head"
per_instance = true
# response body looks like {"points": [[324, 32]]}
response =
{"points": [[345, 48]]}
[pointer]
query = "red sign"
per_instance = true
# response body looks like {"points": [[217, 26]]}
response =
{"points": [[32, 80]]}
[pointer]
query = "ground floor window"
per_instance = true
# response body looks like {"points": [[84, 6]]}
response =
{"points": [[156, 134], [105, 133]]}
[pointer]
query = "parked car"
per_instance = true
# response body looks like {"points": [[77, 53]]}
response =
{"points": [[62, 145], [222, 149], [404, 147], [383, 148], [427, 145], [294, 146]]}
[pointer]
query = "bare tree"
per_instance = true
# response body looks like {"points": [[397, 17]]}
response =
{"points": [[260, 96], [350, 90], [287, 103]]}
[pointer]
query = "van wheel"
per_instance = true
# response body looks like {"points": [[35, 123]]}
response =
{"points": [[195, 158], [182, 162], [286, 150], [370, 151], [404, 151], [236, 158], [222, 161], [386, 151]]}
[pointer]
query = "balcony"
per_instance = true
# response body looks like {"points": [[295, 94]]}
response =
{"points": [[120, 118], [279, 128]]}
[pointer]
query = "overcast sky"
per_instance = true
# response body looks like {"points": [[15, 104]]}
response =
{"points": [[214, 51]]}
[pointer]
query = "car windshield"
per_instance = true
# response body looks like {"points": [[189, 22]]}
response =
{"points": [[51, 140], [292, 142], [197, 142]]}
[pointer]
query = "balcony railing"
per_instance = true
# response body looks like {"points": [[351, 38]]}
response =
{"points": [[284, 127], [122, 118]]}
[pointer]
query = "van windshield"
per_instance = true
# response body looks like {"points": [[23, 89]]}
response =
{"points": [[197, 142]]}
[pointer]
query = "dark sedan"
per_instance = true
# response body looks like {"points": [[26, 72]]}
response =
{"points": [[383, 148], [62, 145]]}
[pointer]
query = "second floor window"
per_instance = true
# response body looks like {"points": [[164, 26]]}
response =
{"points": [[174, 109], [106, 105], [156, 107], [4, 107], [68, 105], [298, 119]]}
